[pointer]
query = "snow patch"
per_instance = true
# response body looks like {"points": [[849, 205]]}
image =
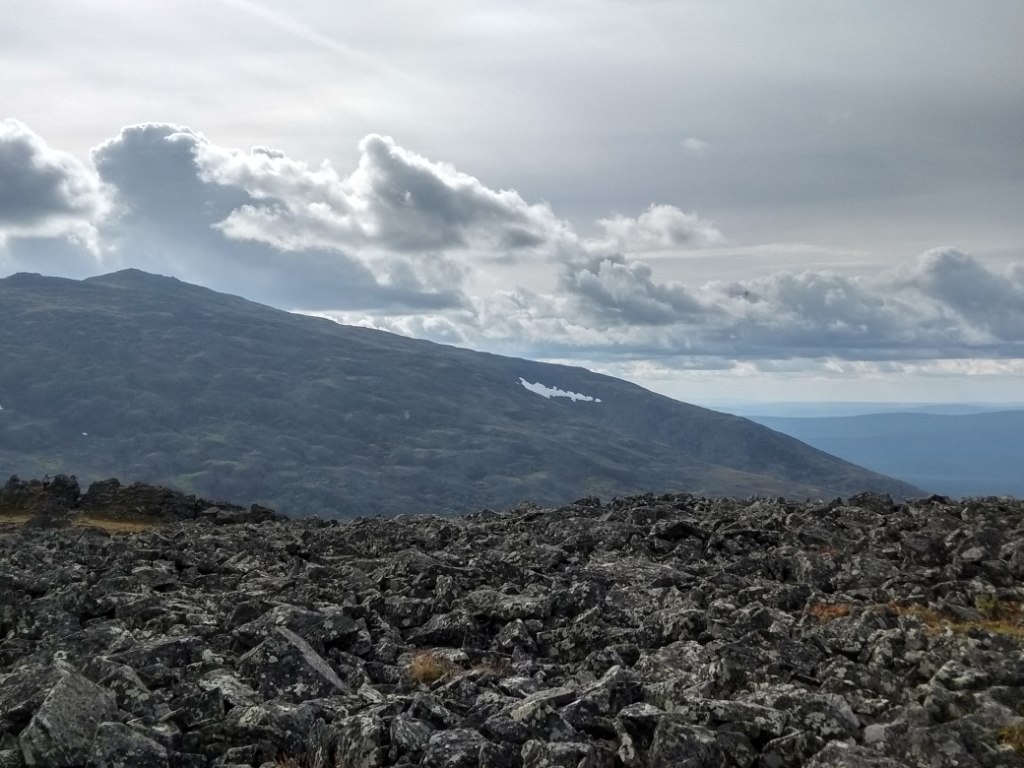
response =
{"points": [[549, 392]]}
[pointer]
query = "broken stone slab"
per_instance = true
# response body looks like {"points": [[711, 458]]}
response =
{"points": [[284, 665], [455, 748], [61, 731], [116, 745]]}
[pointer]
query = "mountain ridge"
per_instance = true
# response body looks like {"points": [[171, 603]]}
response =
{"points": [[157, 380]]}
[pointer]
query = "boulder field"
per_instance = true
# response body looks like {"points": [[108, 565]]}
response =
{"points": [[651, 631]]}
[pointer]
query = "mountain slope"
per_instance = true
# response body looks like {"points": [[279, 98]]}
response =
{"points": [[153, 379], [974, 454]]}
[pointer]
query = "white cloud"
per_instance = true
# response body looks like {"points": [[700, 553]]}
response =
{"points": [[947, 306], [395, 200], [660, 227], [50, 203], [408, 244], [181, 196], [694, 146], [42, 189]]}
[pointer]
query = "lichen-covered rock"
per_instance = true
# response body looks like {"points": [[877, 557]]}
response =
{"points": [[61, 731], [456, 748], [285, 665], [115, 745]]}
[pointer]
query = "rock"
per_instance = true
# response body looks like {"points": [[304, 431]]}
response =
{"points": [[648, 631], [358, 739], [677, 744], [456, 748], [117, 746], [285, 665], [62, 729], [559, 754]]}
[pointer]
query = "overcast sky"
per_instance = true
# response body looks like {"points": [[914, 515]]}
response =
{"points": [[719, 199]]}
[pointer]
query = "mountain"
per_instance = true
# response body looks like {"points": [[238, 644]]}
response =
{"points": [[156, 380], [972, 454]]}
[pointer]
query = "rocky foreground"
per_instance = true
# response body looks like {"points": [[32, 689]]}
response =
{"points": [[142, 628]]}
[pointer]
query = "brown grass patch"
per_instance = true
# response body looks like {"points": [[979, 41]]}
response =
{"points": [[15, 519], [1004, 618], [116, 526], [823, 613], [427, 667], [1013, 736]]}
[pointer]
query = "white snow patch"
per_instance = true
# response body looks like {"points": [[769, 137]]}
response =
{"points": [[549, 392]]}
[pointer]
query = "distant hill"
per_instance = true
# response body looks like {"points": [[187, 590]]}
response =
{"points": [[151, 379], [972, 454]]}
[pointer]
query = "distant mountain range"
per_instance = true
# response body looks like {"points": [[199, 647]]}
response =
{"points": [[970, 454], [148, 378]]}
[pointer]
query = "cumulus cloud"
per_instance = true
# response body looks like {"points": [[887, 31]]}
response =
{"points": [[49, 205], [419, 247], [948, 305], [178, 195], [660, 227], [41, 187], [991, 303], [395, 200], [616, 290]]}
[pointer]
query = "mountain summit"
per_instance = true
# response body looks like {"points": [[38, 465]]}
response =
{"points": [[154, 379]]}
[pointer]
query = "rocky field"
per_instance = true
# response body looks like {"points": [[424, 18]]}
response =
{"points": [[139, 627]]}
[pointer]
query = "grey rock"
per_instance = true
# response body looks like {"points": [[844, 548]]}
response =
{"points": [[456, 748], [117, 746], [62, 729], [647, 631], [678, 744], [285, 665]]}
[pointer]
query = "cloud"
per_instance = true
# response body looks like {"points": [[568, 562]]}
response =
{"points": [[618, 291], [992, 304], [694, 146], [395, 200], [408, 244], [184, 203], [42, 189], [660, 227], [948, 305]]}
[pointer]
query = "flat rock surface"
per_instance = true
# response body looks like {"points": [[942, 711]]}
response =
{"points": [[649, 631]]}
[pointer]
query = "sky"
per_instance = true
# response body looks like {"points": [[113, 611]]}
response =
{"points": [[726, 201]]}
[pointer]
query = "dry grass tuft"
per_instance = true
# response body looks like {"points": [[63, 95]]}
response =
{"points": [[497, 667], [427, 667], [823, 613], [1013, 736], [1006, 617], [116, 526]]}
